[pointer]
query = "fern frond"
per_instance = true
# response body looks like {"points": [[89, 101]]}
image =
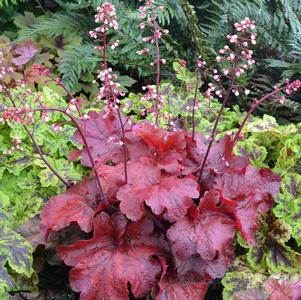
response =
{"points": [[4, 3], [77, 60], [193, 25], [57, 24]]}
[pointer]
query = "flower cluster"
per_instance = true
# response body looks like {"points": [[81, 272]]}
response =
{"points": [[20, 115], [106, 15], [145, 10], [110, 89], [292, 87], [15, 147], [148, 10], [41, 70], [235, 59]]}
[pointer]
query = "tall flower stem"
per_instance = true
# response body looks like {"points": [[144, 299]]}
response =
{"points": [[194, 101], [158, 70], [254, 105], [69, 95], [124, 146], [213, 133], [110, 95]]}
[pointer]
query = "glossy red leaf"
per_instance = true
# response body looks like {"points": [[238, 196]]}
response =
{"points": [[220, 160], [103, 136], [75, 205], [203, 245], [119, 254], [220, 157], [171, 288], [160, 139], [168, 195], [185, 290], [208, 235], [112, 176], [253, 192], [166, 148]]}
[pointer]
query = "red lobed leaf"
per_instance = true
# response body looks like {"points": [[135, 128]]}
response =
{"points": [[160, 139], [204, 244], [252, 190], [119, 254], [75, 205], [98, 131], [167, 148], [167, 194], [103, 136], [220, 159], [171, 289], [113, 176]]}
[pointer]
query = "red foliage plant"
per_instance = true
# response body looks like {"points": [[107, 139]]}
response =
{"points": [[162, 207], [158, 238]]}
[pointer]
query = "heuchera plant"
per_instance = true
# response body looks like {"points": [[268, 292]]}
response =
{"points": [[162, 207]]}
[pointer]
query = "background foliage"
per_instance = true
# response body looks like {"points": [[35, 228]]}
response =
{"points": [[59, 30]]}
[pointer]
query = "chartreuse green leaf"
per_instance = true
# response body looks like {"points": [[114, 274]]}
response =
{"points": [[266, 123], [15, 253], [270, 251], [66, 169], [289, 159], [289, 193], [256, 154], [289, 203], [269, 134], [240, 279], [183, 74], [24, 196]]}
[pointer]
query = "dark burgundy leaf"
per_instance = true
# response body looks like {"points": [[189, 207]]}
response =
{"points": [[24, 53], [252, 190], [76, 205], [119, 254], [103, 136], [203, 244], [185, 290]]}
